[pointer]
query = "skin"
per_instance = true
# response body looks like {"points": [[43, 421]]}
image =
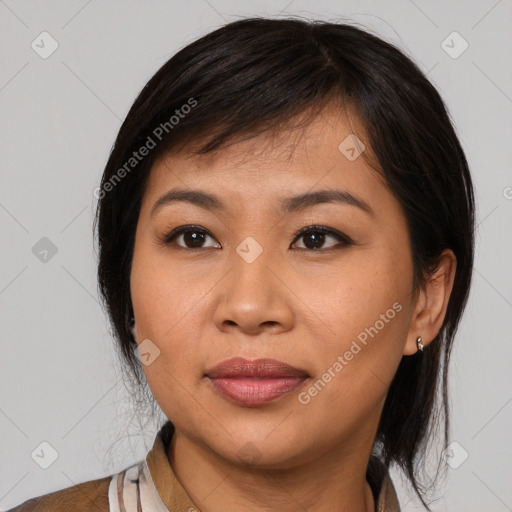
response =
{"points": [[298, 305]]}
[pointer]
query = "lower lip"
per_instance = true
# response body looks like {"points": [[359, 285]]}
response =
{"points": [[252, 392]]}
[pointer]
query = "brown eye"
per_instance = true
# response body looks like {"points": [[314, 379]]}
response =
{"points": [[190, 237], [316, 236]]}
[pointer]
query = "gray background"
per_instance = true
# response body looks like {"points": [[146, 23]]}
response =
{"points": [[59, 378]]}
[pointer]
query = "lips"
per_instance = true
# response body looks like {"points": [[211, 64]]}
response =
{"points": [[260, 368], [253, 383]]}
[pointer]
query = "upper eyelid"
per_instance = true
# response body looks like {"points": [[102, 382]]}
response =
{"points": [[183, 229], [342, 237]]}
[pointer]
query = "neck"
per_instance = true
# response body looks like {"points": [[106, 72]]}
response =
{"points": [[332, 482]]}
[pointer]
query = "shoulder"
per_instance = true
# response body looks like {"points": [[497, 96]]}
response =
{"points": [[84, 497]]}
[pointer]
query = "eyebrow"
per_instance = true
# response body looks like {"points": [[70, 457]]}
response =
{"points": [[288, 205]]}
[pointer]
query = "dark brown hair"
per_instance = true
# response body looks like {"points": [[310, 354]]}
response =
{"points": [[255, 74]]}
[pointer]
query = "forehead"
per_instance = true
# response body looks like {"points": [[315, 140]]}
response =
{"points": [[332, 150]]}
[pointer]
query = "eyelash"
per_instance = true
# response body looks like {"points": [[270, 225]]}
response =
{"points": [[344, 240]]}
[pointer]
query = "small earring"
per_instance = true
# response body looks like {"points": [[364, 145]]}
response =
{"points": [[419, 343]]}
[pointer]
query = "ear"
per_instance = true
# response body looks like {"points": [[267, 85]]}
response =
{"points": [[432, 303]]}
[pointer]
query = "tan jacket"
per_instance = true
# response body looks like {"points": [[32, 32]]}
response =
{"points": [[152, 486]]}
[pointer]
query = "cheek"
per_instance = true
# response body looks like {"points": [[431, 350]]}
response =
{"points": [[164, 304], [364, 291], [364, 312], [163, 295], [355, 367]]}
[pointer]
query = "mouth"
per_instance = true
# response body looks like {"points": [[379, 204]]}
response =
{"points": [[254, 383]]}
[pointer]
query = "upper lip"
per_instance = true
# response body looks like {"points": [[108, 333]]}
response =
{"points": [[258, 368]]}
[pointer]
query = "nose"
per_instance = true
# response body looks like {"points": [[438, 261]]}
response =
{"points": [[254, 297]]}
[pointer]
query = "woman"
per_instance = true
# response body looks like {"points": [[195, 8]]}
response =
{"points": [[285, 229]]}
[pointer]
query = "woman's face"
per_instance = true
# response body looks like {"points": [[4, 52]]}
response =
{"points": [[241, 282]]}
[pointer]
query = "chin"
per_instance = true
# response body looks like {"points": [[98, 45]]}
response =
{"points": [[254, 448]]}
